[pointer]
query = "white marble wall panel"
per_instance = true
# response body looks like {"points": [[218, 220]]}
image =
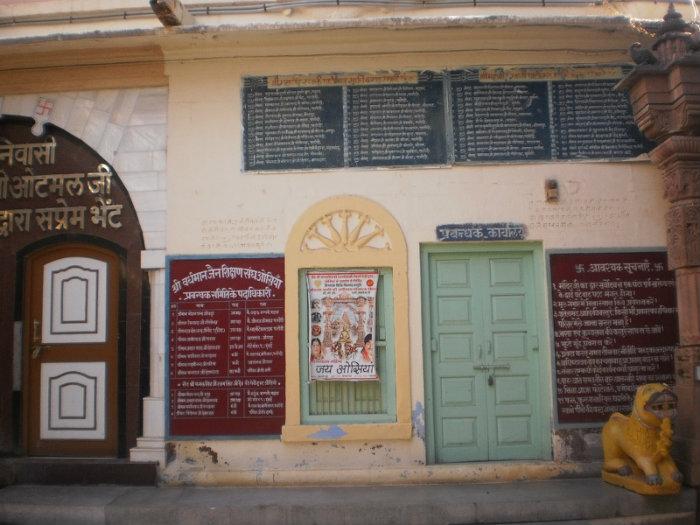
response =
{"points": [[95, 126], [20, 105], [105, 99], [148, 109], [79, 116], [109, 143], [128, 128], [124, 105]]}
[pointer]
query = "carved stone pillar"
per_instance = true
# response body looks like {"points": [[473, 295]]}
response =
{"points": [[151, 446], [664, 90]]}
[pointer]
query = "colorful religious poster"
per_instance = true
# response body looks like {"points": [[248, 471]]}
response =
{"points": [[342, 317]]}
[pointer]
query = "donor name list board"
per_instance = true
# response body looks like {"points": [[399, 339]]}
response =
{"points": [[437, 118], [226, 346], [615, 328]]}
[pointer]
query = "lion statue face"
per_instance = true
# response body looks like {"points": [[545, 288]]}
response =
{"points": [[655, 402]]}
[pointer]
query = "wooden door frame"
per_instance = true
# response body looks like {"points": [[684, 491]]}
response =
{"points": [[22, 303], [74, 156], [536, 251]]}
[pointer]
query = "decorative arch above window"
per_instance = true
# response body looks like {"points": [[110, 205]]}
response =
{"points": [[347, 233]]}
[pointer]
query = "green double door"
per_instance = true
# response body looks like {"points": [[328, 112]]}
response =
{"points": [[484, 357]]}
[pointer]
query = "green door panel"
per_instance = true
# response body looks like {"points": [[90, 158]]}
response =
{"points": [[485, 375]]}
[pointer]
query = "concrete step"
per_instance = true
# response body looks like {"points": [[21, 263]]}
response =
{"points": [[557, 501], [76, 471], [682, 518]]}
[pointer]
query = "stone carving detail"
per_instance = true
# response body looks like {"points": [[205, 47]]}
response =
{"points": [[345, 231], [657, 123], [682, 181], [688, 299], [687, 358], [683, 234]]}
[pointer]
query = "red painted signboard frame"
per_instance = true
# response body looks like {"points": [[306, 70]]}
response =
{"points": [[226, 359], [615, 327]]}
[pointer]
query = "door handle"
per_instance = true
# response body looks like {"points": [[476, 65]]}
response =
{"points": [[37, 349], [504, 367], [36, 331]]}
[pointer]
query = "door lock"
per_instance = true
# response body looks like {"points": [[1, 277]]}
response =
{"points": [[36, 332], [37, 349]]}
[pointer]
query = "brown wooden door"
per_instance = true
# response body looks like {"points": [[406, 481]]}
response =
{"points": [[70, 350]]}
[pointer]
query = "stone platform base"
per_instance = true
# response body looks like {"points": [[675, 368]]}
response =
{"points": [[76, 471], [570, 501], [638, 485]]}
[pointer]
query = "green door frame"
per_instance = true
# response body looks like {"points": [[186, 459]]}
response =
{"points": [[536, 250]]}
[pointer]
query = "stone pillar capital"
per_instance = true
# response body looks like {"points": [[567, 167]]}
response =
{"points": [[676, 148], [678, 157]]}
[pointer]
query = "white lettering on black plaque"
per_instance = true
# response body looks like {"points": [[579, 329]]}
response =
{"points": [[292, 128], [499, 121], [399, 119], [591, 121], [615, 328], [396, 124]]}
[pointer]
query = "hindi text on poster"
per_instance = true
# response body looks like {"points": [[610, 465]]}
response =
{"points": [[342, 317]]}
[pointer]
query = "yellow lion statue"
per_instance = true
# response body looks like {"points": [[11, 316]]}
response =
{"points": [[637, 447]]}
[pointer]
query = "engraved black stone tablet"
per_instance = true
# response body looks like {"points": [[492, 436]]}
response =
{"points": [[591, 121], [396, 124], [500, 121], [292, 128]]}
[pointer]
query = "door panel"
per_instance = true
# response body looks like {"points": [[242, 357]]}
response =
{"points": [[484, 375], [74, 301], [513, 398], [72, 401], [458, 391], [71, 356]]}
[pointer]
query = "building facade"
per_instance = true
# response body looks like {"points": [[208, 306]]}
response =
{"points": [[455, 191]]}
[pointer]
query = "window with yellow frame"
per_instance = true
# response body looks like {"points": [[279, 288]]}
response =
{"points": [[348, 233]]}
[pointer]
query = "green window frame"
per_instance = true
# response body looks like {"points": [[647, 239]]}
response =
{"points": [[352, 401]]}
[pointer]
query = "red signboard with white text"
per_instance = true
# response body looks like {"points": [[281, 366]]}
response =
{"points": [[226, 346], [615, 328]]}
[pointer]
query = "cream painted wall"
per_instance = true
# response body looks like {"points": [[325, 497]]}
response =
{"points": [[209, 198], [617, 205]]}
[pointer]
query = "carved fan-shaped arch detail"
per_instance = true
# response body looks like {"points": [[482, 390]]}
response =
{"points": [[346, 230]]}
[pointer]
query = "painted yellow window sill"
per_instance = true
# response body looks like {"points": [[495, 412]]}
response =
{"points": [[349, 432]]}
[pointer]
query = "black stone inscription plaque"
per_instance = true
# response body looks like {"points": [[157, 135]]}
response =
{"points": [[396, 124], [591, 121], [292, 128], [500, 121]]}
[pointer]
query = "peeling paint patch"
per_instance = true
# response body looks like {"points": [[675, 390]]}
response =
{"points": [[259, 466], [212, 453], [170, 453], [332, 432], [418, 419]]}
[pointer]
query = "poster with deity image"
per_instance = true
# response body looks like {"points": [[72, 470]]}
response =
{"points": [[342, 316]]}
